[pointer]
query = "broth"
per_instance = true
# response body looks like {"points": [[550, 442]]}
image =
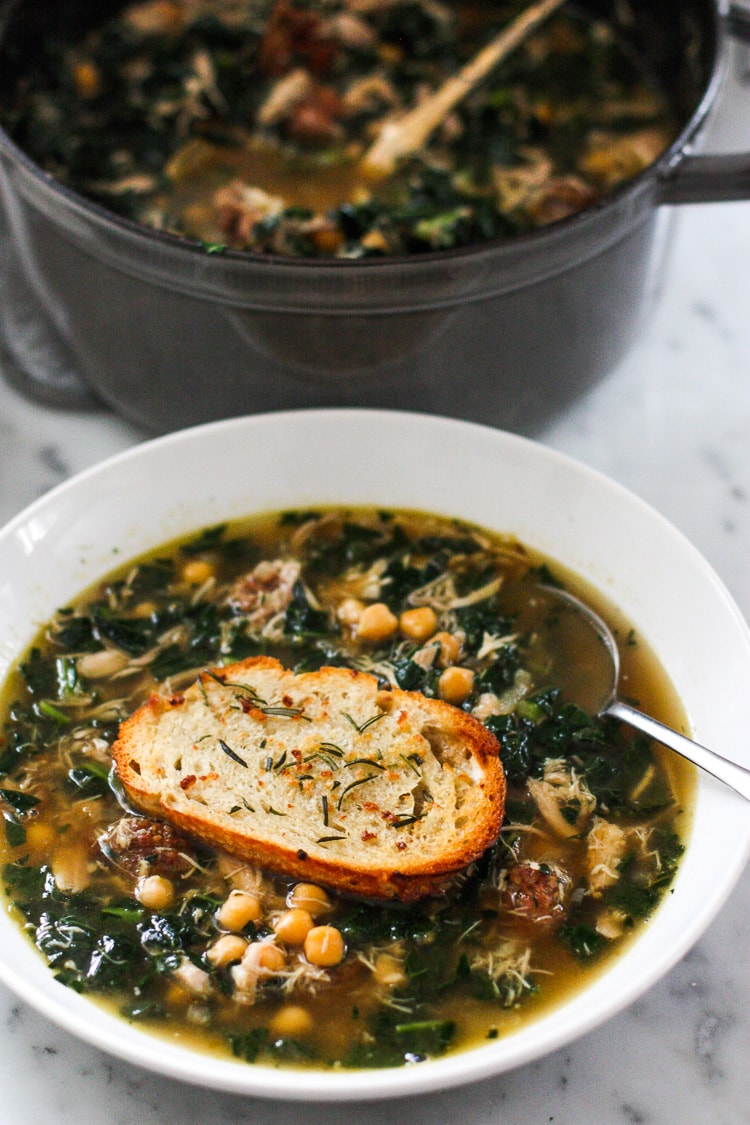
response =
{"points": [[134, 914], [242, 125]]}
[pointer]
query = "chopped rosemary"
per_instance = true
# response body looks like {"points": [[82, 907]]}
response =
{"points": [[247, 689], [230, 753], [326, 756], [407, 819], [286, 713], [367, 723], [353, 785], [332, 748], [414, 762]]}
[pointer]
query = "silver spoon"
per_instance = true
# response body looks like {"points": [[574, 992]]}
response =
{"points": [[608, 704]]}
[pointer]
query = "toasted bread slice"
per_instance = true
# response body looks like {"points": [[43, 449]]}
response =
{"points": [[321, 776]]}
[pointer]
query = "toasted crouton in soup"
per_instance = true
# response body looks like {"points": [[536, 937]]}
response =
{"points": [[320, 775]]}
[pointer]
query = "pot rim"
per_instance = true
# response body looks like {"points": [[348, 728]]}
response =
{"points": [[468, 273]]}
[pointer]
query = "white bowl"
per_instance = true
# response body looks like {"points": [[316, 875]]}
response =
{"points": [[164, 488]]}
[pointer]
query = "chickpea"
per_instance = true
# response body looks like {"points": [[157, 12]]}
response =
{"points": [[389, 970], [237, 910], [261, 960], [455, 684], [327, 241], [293, 926], [155, 892], [418, 624], [309, 897], [264, 958], [292, 1020], [377, 623], [375, 240], [87, 79], [450, 649], [197, 571], [324, 946], [229, 948], [39, 835], [144, 610], [350, 611]]}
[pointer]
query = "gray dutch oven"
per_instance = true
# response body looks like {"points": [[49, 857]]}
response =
{"points": [[95, 307]]}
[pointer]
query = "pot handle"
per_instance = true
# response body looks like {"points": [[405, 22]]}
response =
{"points": [[714, 178]]}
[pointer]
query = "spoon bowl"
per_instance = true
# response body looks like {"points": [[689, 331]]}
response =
{"points": [[601, 687]]}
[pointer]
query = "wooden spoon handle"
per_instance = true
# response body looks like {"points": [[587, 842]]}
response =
{"points": [[408, 133]]}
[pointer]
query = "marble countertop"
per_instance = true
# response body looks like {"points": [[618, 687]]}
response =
{"points": [[672, 423]]}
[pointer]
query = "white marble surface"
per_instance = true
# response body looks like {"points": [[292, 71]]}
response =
{"points": [[673, 424]]}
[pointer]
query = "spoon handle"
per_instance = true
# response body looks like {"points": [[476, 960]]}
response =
{"points": [[731, 773], [409, 133]]}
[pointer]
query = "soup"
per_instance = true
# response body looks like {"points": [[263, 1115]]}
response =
{"points": [[196, 945], [243, 125]]}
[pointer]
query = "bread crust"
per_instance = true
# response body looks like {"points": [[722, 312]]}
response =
{"points": [[381, 794]]}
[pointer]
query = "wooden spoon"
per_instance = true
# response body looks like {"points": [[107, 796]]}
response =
{"points": [[408, 133]]}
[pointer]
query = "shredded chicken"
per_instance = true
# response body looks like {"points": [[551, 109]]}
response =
{"points": [[239, 206], [192, 978], [348, 30], [253, 971], [509, 964], [561, 788], [607, 844], [285, 94], [370, 94]]}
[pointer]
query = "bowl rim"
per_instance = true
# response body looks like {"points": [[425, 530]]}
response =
{"points": [[31, 979]]}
